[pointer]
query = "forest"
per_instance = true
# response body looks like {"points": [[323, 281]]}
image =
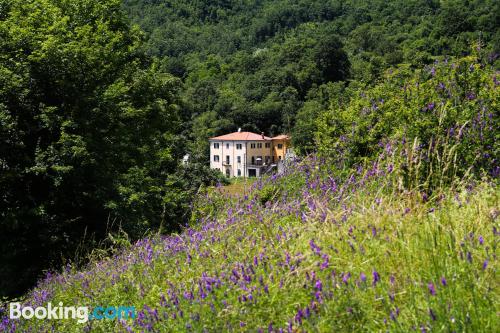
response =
{"points": [[99, 100]]}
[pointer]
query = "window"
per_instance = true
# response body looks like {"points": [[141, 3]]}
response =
{"points": [[253, 160], [259, 145], [227, 145], [238, 146], [228, 173], [239, 172], [216, 158], [216, 145], [238, 158], [252, 145], [280, 146], [268, 144], [227, 159]]}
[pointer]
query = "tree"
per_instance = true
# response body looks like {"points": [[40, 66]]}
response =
{"points": [[88, 132]]}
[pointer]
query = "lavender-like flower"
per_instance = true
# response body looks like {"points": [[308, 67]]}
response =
{"points": [[315, 247], [319, 285], [376, 277], [443, 281], [345, 277], [432, 288], [299, 316]]}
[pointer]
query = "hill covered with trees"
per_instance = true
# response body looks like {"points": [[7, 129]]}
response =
{"points": [[393, 226], [90, 136], [272, 65], [99, 100]]}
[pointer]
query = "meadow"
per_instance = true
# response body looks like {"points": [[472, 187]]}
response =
{"points": [[305, 251], [390, 225]]}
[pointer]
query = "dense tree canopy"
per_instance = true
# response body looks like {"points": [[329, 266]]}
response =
{"points": [[95, 114], [89, 134], [259, 65]]}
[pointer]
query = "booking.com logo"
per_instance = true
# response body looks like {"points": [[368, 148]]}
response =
{"points": [[82, 314]]}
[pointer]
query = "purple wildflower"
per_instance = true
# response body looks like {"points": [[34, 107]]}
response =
{"points": [[317, 295], [345, 277], [443, 281], [376, 277], [315, 247], [307, 312], [319, 285], [432, 288], [471, 96], [431, 313], [299, 316], [326, 262], [485, 264]]}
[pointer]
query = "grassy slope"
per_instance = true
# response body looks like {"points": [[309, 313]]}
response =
{"points": [[319, 256], [238, 187]]}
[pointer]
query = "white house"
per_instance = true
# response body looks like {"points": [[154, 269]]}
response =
{"points": [[246, 154]]}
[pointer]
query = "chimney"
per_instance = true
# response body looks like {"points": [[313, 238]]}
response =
{"points": [[262, 135], [239, 129]]}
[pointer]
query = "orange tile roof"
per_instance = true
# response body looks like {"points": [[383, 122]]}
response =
{"points": [[241, 136], [281, 137]]}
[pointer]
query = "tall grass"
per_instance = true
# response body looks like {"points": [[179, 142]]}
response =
{"points": [[404, 241], [321, 254]]}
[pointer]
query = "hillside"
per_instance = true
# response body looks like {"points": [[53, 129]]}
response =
{"points": [[272, 65], [391, 226], [305, 251], [386, 219], [101, 99]]}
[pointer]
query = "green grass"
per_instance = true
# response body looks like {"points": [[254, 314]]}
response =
{"points": [[238, 186], [252, 264]]}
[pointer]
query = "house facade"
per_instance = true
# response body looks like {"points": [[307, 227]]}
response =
{"points": [[246, 154]]}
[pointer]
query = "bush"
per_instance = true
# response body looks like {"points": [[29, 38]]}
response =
{"points": [[446, 116]]}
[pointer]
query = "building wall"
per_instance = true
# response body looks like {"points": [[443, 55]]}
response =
{"points": [[214, 151], [229, 148], [280, 153], [248, 150], [239, 166], [257, 152]]}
